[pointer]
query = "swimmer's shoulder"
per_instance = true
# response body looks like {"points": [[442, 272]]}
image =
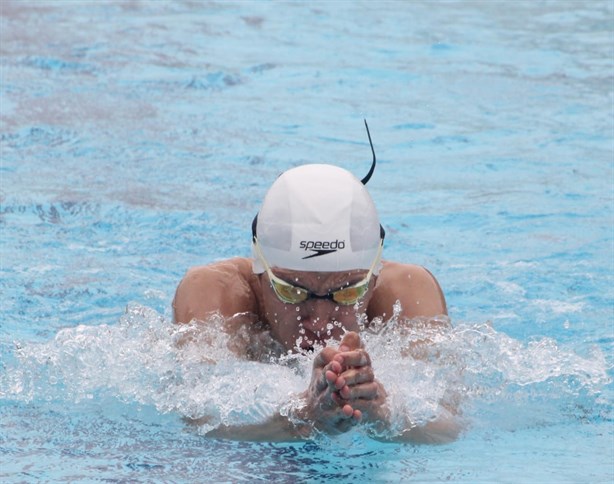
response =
{"points": [[414, 286], [221, 272], [236, 266], [227, 286]]}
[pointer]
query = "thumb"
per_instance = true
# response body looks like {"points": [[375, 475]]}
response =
{"points": [[324, 357], [351, 341]]}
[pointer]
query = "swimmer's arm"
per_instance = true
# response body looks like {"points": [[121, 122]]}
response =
{"points": [[276, 429], [222, 287], [443, 430], [414, 287]]}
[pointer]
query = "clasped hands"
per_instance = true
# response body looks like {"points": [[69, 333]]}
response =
{"points": [[343, 389]]}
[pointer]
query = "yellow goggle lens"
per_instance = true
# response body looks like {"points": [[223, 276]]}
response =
{"points": [[295, 295], [350, 295], [290, 294]]}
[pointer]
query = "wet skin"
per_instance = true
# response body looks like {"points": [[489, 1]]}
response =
{"points": [[343, 388], [315, 320]]}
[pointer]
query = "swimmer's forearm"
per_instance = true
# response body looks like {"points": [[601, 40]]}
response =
{"points": [[445, 429], [276, 429], [279, 429]]}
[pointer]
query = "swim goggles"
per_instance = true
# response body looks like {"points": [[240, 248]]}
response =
{"points": [[291, 294]]}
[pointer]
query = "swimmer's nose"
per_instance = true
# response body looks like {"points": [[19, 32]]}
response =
{"points": [[319, 312]]}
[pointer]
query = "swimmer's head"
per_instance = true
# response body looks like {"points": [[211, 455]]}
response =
{"points": [[317, 218]]}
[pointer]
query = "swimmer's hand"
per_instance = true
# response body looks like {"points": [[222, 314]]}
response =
{"points": [[360, 394], [357, 391], [342, 393], [323, 409]]}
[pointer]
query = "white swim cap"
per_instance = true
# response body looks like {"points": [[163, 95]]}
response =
{"points": [[317, 218]]}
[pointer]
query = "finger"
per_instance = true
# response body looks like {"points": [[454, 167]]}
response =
{"points": [[339, 383], [364, 407], [326, 377], [351, 377], [351, 341], [347, 410], [354, 358], [324, 357], [335, 366], [356, 376], [331, 376], [364, 391], [357, 415], [339, 400]]}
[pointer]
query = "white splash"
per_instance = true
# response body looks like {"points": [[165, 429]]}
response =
{"points": [[193, 370]]}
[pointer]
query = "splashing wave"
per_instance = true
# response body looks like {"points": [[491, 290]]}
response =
{"points": [[191, 370]]}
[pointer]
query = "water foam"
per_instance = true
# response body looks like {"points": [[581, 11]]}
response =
{"points": [[192, 371]]}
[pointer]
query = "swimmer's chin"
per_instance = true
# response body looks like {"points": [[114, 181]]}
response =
{"points": [[306, 347], [310, 346], [310, 341]]}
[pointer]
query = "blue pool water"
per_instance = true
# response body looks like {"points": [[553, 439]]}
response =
{"points": [[138, 138]]}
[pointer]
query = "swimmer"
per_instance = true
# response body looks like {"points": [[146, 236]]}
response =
{"points": [[316, 270]]}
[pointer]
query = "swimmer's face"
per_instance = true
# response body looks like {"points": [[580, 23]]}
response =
{"points": [[314, 320]]}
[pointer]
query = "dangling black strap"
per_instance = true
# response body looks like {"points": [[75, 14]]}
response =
{"points": [[364, 182], [254, 224], [368, 176]]}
